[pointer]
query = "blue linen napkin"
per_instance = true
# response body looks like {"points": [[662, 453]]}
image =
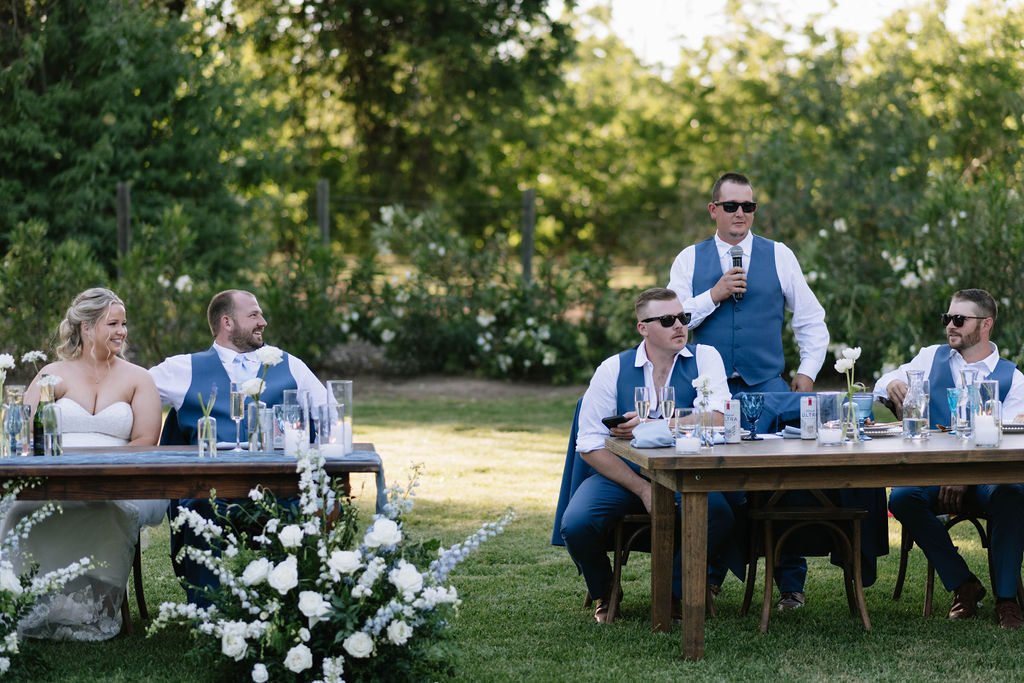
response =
{"points": [[653, 434], [790, 432]]}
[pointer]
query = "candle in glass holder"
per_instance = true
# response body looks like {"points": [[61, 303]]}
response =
{"points": [[986, 431]]}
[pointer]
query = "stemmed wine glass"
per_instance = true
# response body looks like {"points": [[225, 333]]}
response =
{"points": [[752, 404], [642, 401], [667, 399], [237, 412]]}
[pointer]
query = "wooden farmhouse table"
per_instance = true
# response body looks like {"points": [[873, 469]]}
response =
{"points": [[173, 472], [786, 464]]}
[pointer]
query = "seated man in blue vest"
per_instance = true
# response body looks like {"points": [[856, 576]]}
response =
{"points": [[737, 287], [237, 324], [616, 488], [972, 313]]}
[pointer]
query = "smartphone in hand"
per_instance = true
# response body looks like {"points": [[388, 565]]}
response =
{"points": [[614, 421]]}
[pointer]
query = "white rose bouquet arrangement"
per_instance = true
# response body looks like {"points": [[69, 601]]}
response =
{"points": [[845, 364], [306, 597], [18, 592]]}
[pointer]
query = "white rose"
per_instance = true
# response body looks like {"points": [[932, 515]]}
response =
{"points": [[253, 387], [852, 354], [285, 576], [269, 355], [344, 561], [256, 572], [259, 673], [399, 632], [298, 659], [313, 605], [383, 532], [9, 581], [359, 645], [291, 536], [234, 646], [407, 579]]}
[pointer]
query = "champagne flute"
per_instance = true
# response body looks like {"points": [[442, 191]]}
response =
{"points": [[237, 412], [642, 400], [667, 398]]}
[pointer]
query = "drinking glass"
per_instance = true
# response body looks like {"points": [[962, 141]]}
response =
{"points": [[642, 401], [953, 401], [667, 401], [752, 403], [830, 418], [862, 405], [341, 391], [685, 432], [237, 412], [259, 427]]}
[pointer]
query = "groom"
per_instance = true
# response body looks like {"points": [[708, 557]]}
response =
{"points": [[237, 323]]}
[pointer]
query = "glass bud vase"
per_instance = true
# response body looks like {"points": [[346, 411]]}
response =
{"points": [[915, 407], [206, 431]]}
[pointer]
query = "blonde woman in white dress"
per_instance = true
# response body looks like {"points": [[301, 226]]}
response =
{"points": [[104, 401]]}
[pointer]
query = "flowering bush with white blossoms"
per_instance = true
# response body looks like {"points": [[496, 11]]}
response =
{"points": [[304, 597], [18, 592]]}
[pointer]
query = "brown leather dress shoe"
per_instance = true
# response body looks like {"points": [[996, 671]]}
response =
{"points": [[1008, 615], [966, 599], [601, 615]]}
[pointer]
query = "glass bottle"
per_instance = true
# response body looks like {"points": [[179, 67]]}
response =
{"points": [[45, 399], [915, 407]]}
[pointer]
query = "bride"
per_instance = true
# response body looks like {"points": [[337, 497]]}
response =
{"points": [[104, 401]]}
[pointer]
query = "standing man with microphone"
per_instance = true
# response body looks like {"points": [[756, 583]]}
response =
{"points": [[736, 287]]}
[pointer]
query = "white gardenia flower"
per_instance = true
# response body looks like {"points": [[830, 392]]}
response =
{"points": [[344, 561], [285, 576], [256, 572], [852, 354], [313, 605], [269, 355], [843, 364], [406, 578], [9, 580], [399, 632], [359, 645], [253, 387], [234, 646], [259, 673], [291, 536], [383, 532], [298, 659]]}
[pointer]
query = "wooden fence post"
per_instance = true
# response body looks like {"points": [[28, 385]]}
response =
{"points": [[323, 218], [529, 223], [124, 218]]}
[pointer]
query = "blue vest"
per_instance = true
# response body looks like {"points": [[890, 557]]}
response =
{"points": [[747, 333], [207, 370], [940, 378], [684, 371]]}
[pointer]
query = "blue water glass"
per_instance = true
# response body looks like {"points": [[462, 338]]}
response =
{"points": [[862, 406], [953, 401]]}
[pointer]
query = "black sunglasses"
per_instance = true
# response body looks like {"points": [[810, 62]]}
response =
{"points": [[669, 320], [959, 320], [730, 207]]}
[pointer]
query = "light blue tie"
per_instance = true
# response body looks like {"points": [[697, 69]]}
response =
{"points": [[244, 367]]}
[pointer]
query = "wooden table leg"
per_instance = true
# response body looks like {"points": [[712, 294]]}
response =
{"points": [[662, 550], [695, 572]]}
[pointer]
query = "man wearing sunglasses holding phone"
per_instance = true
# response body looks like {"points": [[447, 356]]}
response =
{"points": [[737, 287], [968, 327], [614, 487]]}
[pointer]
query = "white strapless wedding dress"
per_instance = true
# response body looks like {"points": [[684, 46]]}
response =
{"points": [[89, 607]]}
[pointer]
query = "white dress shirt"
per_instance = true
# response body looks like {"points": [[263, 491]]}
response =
{"points": [[173, 376], [808, 315], [601, 398], [1012, 406]]}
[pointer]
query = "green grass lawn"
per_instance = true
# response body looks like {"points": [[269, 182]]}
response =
{"points": [[522, 616]]}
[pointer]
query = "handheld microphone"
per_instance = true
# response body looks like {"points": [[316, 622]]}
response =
{"points": [[737, 262]]}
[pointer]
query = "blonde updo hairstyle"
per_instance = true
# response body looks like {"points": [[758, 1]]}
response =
{"points": [[88, 308]]}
